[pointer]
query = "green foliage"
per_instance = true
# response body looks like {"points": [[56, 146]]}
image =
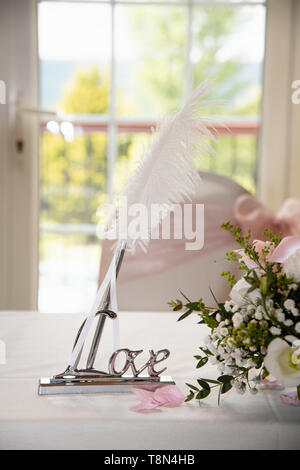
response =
{"points": [[223, 383], [159, 77], [257, 322], [87, 93], [230, 278], [73, 174]]}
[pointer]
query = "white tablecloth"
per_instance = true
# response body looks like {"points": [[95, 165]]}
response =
{"points": [[38, 345]]}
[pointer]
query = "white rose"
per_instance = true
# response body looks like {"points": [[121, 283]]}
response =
{"points": [[292, 266], [277, 362], [239, 292]]}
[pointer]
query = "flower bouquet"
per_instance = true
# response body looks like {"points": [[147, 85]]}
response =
{"points": [[255, 335]]}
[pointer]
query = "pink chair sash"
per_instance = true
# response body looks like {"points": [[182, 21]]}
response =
{"points": [[250, 213]]}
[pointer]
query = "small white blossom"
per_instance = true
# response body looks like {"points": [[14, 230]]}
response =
{"points": [[236, 353], [235, 308], [297, 327], [295, 312], [289, 304], [258, 315], [288, 322], [227, 306], [218, 317], [279, 315], [239, 386], [293, 286], [237, 319], [263, 324], [224, 331], [275, 331]]}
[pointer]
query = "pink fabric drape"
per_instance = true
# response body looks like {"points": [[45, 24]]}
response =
{"points": [[250, 213]]}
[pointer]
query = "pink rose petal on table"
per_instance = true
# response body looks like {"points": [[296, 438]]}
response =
{"points": [[148, 401], [142, 393], [146, 406], [290, 399], [169, 396]]}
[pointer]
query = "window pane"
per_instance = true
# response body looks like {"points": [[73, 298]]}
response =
{"points": [[73, 185], [68, 271], [73, 39], [150, 55], [228, 45], [130, 148], [75, 54], [236, 158]]}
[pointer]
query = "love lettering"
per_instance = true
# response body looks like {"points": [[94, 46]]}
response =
{"points": [[130, 356]]}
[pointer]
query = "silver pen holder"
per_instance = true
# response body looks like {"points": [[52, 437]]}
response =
{"points": [[89, 380]]}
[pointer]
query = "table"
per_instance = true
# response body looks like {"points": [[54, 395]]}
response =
{"points": [[39, 345]]}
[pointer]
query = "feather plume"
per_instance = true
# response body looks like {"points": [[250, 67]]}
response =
{"points": [[166, 173]]}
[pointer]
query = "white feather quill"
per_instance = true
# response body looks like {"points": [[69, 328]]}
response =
{"points": [[166, 173]]}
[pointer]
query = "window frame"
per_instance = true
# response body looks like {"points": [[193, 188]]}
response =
{"points": [[19, 248]]}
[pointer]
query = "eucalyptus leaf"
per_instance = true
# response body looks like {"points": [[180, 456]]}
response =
{"points": [[202, 362], [226, 387], [202, 394], [211, 381], [203, 384], [186, 314], [189, 397], [192, 386], [225, 378]]}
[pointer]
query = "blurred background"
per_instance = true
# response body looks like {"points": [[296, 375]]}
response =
{"points": [[86, 82]]}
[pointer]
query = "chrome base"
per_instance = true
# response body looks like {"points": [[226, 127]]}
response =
{"points": [[72, 385]]}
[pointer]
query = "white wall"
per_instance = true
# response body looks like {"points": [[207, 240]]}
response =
{"points": [[18, 171], [279, 156]]}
